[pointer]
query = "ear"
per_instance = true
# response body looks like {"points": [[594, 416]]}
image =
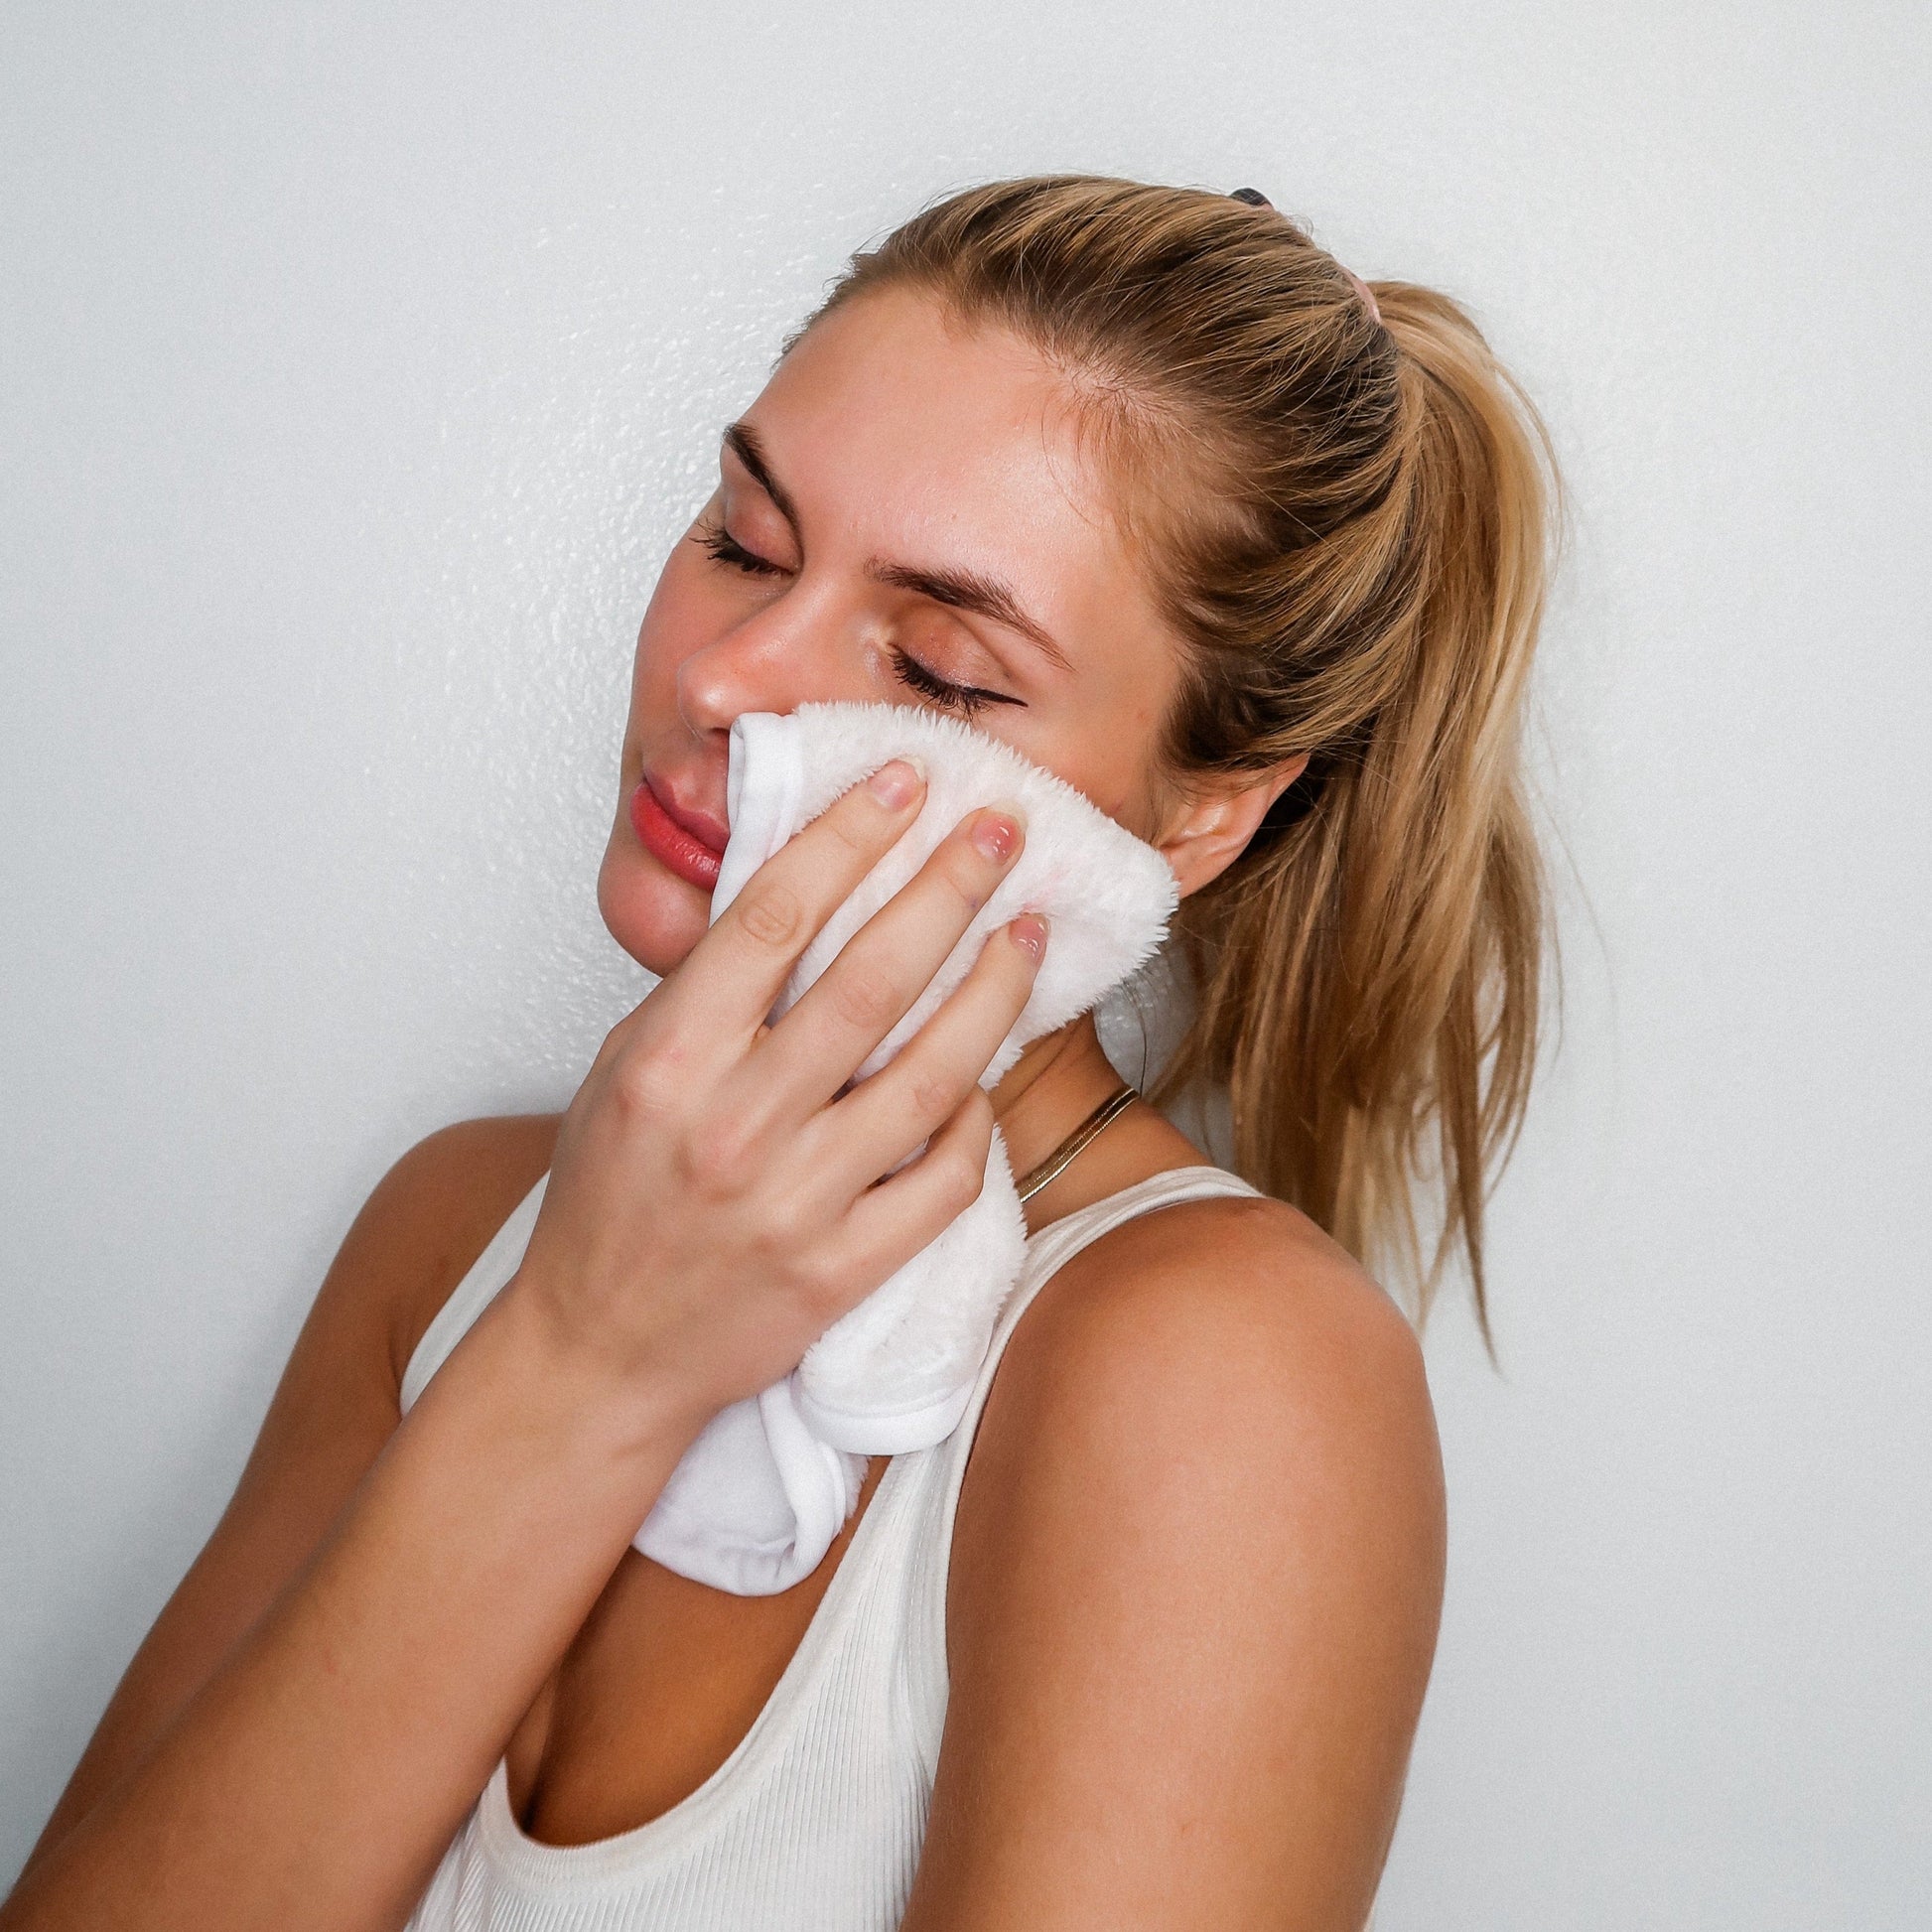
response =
{"points": [[1209, 831]]}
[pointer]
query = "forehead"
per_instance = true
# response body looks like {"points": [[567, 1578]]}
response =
{"points": [[902, 431]]}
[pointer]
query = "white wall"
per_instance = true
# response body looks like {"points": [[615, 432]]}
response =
{"points": [[361, 361]]}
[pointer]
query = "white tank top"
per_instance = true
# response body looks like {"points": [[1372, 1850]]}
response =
{"points": [[815, 1822]]}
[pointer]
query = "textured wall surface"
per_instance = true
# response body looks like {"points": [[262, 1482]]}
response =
{"points": [[362, 360]]}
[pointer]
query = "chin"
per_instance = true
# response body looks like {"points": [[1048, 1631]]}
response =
{"points": [[655, 917]]}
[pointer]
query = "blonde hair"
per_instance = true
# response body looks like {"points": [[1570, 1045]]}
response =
{"points": [[1357, 558]]}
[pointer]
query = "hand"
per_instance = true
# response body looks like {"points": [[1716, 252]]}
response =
{"points": [[715, 1200]]}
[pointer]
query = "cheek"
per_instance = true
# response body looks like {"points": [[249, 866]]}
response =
{"points": [[1146, 799], [1108, 749], [1106, 759], [654, 918], [675, 625], [685, 612]]}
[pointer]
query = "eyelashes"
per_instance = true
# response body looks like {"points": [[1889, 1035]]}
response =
{"points": [[726, 549], [967, 699]]}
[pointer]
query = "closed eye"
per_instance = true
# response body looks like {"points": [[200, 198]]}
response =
{"points": [[967, 699], [726, 549]]}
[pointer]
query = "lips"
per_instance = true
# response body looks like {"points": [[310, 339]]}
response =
{"points": [[686, 843], [708, 828]]}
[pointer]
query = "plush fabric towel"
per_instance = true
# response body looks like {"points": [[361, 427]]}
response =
{"points": [[761, 1493]]}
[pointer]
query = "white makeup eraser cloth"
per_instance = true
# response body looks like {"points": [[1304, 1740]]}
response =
{"points": [[763, 1490]]}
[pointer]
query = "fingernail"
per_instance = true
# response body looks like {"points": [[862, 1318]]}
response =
{"points": [[1029, 936], [998, 833], [894, 784]]}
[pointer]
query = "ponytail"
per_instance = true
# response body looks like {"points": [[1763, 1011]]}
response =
{"points": [[1369, 976]]}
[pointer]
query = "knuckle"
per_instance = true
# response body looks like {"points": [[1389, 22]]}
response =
{"points": [[857, 834], [962, 1177], [963, 876], [784, 1241], [934, 1095], [864, 997], [819, 1283], [649, 1087], [719, 1157], [823, 1286], [770, 915]]}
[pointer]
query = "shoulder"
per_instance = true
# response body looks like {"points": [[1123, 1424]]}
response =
{"points": [[431, 1215], [1212, 1378], [1230, 1323], [1196, 1566]]}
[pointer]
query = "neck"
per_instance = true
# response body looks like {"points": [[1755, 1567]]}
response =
{"points": [[1053, 1086]]}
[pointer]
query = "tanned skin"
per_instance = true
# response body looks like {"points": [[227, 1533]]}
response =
{"points": [[1196, 1568]]}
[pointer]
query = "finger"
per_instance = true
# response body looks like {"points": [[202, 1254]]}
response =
{"points": [[728, 982], [883, 1119], [889, 1223], [883, 967]]}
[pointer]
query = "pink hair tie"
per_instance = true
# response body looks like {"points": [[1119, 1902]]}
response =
{"points": [[1368, 294], [1253, 198]]}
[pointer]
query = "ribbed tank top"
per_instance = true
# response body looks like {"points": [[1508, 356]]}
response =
{"points": [[815, 1822]]}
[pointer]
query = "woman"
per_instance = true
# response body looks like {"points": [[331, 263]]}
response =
{"points": [[1150, 488]]}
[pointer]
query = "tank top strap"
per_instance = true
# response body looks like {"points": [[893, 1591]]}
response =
{"points": [[926, 1683], [1049, 1251], [1060, 1241], [489, 1274]]}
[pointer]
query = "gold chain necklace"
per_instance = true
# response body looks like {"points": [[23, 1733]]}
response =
{"points": [[1062, 1157]]}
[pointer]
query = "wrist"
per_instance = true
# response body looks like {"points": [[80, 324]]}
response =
{"points": [[626, 1403]]}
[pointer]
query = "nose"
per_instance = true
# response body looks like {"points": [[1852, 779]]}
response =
{"points": [[794, 651]]}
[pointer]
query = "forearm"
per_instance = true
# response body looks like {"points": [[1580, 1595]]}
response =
{"points": [[315, 1777]]}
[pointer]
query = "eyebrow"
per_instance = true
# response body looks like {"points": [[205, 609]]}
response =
{"points": [[960, 590], [740, 439], [968, 590]]}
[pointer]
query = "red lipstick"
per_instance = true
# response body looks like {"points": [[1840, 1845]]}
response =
{"points": [[676, 846]]}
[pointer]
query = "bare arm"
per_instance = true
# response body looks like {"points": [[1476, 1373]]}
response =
{"points": [[1197, 1577], [336, 1406], [711, 1210], [316, 1773]]}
